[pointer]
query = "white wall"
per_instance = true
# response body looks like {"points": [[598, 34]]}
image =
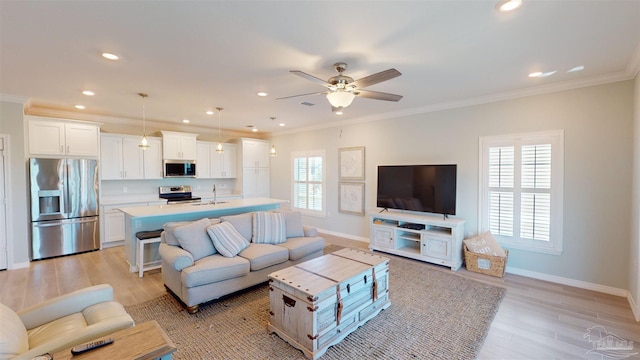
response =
{"points": [[634, 268], [11, 122], [598, 124]]}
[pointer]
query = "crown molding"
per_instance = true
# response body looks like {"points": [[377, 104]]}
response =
{"points": [[497, 97], [114, 120], [13, 98]]}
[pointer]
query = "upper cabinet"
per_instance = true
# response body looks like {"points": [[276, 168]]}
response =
{"points": [[255, 153], [253, 167], [179, 146], [214, 165], [153, 159], [54, 137], [122, 159]]}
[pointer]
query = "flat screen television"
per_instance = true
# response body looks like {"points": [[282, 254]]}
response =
{"points": [[424, 188]]}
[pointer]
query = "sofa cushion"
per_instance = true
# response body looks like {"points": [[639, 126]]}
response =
{"points": [[300, 247], [261, 256], [268, 228], [226, 239], [193, 237], [13, 334], [293, 223], [242, 222], [169, 236], [214, 268]]}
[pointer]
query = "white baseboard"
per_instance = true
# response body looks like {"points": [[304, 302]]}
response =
{"points": [[20, 265], [634, 307], [347, 236], [567, 281]]}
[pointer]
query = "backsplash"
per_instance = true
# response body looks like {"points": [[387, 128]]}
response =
{"points": [[147, 187]]}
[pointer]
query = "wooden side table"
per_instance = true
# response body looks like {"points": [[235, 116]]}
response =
{"points": [[145, 341]]}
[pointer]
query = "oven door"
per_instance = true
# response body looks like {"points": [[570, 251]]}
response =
{"points": [[177, 168]]}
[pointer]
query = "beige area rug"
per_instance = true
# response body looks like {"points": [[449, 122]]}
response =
{"points": [[433, 315]]}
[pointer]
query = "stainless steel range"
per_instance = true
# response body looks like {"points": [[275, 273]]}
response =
{"points": [[177, 194]]}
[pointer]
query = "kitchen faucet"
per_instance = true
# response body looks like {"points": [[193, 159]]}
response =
{"points": [[214, 194]]}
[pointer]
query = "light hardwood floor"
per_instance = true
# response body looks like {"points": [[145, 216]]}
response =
{"points": [[536, 320]]}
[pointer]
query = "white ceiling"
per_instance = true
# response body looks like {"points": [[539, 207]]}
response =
{"points": [[191, 56]]}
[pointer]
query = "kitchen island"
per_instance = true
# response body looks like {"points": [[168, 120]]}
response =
{"points": [[147, 218]]}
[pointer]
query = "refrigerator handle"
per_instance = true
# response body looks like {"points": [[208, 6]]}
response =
{"points": [[65, 185]]}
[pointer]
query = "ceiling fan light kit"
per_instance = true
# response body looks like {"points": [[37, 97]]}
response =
{"points": [[341, 98], [342, 89]]}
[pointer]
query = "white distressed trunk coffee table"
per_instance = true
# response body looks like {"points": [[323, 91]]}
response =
{"points": [[317, 303]]}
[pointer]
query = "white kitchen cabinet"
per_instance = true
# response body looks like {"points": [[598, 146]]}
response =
{"points": [[255, 182], [121, 158], [253, 162], [54, 137], [224, 166], [112, 222], [255, 153], [152, 159], [214, 165], [179, 146]]}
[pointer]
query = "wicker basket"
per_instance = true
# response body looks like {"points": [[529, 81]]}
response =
{"points": [[485, 264]]}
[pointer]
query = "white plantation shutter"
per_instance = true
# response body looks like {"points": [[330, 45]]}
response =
{"points": [[501, 176], [308, 182], [521, 179], [535, 206]]}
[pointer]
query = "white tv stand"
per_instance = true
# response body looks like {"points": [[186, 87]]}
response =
{"points": [[439, 242]]}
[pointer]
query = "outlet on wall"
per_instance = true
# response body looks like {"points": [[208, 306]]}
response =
{"points": [[221, 186], [124, 189]]}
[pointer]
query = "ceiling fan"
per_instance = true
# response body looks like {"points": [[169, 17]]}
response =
{"points": [[342, 89]]}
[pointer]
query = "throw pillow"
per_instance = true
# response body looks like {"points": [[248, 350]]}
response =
{"points": [[169, 227], [227, 240], [268, 228], [242, 223], [485, 243], [293, 223], [169, 236], [193, 237]]}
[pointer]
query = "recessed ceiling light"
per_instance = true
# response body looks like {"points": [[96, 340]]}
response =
{"points": [[88, 93], [508, 5], [186, 121], [110, 56], [79, 107], [209, 112], [541, 74], [577, 68], [254, 129], [281, 124], [262, 94]]}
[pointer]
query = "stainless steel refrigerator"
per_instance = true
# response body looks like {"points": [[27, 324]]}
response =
{"points": [[64, 206]]}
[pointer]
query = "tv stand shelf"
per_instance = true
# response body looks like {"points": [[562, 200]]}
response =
{"points": [[438, 242]]}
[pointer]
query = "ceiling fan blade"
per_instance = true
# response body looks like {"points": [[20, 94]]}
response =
{"points": [[376, 78], [310, 77], [292, 96], [377, 95]]}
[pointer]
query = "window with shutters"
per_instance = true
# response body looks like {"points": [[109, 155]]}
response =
{"points": [[308, 182], [521, 179]]}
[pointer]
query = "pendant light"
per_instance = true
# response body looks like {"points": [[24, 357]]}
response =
{"points": [[144, 143], [219, 148], [273, 151]]}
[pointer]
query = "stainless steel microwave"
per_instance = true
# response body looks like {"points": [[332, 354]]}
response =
{"points": [[179, 168]]}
